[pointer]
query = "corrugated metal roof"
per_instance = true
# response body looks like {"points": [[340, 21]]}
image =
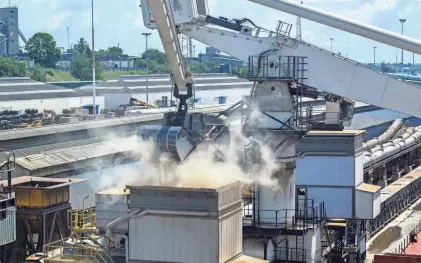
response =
{"points": [[75, 154]]}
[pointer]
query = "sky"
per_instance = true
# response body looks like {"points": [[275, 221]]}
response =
{"points": [[118, 23]]}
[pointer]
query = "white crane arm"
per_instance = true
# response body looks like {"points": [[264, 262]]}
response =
{"points": [[164, 22], [326, 71], [348, 25]]}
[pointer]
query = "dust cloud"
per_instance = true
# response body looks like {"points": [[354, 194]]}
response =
{"points": [[200, 170]]}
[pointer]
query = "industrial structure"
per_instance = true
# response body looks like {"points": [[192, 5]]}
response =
{"points": [[10, 32], [323, 204], [41, 211], [278, 64]]}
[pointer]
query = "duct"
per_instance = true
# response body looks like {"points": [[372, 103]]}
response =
{"points": [[387, 135], [140, 213], [118, 221], [126, 247], [409, 138], [348, 25]]}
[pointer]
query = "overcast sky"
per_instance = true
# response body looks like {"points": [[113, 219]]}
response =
{"points": [[122, 23]]}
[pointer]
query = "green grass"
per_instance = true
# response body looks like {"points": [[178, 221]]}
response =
{"points": [[106, 75], [59, 76]]}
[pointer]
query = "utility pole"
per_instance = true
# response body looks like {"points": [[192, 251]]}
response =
{"points": [[374, 48], [93, 63], [68, 38], [147, 66], [402, 20], [331, 44]]}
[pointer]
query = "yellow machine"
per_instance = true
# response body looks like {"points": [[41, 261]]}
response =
{"points": [[135, 102]]}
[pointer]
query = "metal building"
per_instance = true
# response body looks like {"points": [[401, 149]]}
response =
{"points": [[41, 215]]}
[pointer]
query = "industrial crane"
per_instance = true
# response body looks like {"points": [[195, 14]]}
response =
{"points": [[181, 131], [277, 63]]}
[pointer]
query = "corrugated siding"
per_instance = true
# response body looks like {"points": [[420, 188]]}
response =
{"points": [[8, 227], [229, 194], [230, 236], [106, 212], [173, 239], [363, 205], [325, 170], [338, 201]]}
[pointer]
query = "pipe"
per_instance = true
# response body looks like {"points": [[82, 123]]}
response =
{"points": [[348, 25], [387, 135], [126, 247], [118, 221], [138, 213]]}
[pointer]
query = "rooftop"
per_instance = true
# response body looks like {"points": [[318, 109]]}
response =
{"points": [[74, 154], [24, 182], [27, 89], [213, 186]]}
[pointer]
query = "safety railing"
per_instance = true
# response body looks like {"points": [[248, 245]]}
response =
{"points": [[355, 62], [82, 220], [86, 253], [287, 219], [408, 240], [290, 255], [291, 68], [394, 205]]}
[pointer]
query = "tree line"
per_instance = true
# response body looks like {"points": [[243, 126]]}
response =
{"points": [[42, 49]]}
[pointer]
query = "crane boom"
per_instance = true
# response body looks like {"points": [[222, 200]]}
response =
{"points": [[348, 25], [326, 71], [164, 22]]}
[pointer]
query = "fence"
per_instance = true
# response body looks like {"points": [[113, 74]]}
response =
{"points": [[407, 240]]}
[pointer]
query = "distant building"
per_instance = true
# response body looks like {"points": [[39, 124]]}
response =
{"points": [[215, 56], [106, 61], [9, 27]]}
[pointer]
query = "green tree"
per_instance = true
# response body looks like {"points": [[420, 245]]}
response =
{"points": [[82, 48], [11, 68], [82, 68], [155, 54], [39, 74], [41, 47], [115, 51]]}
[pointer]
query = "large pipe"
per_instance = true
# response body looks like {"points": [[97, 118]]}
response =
{"points": [[387, 135], [344, 24]]}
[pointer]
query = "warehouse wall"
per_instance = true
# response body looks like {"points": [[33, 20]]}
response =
{"points": [[57, 104]]}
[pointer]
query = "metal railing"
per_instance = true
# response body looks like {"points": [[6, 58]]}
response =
{"points": [[407, 240], [82, 220], [58, 251], [287, 219], [290, 255], [280, 68], [394, 205], [355, 62]]}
